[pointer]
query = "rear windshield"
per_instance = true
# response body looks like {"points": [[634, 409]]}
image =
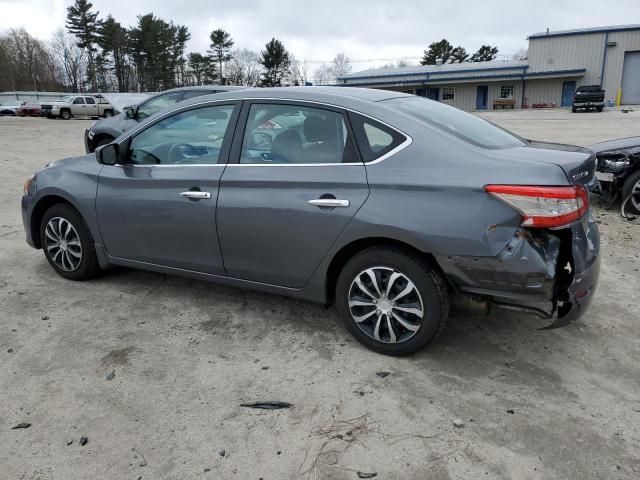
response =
{"points": [[461, 124]]}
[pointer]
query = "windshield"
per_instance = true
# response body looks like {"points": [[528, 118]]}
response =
{"points": [[66, 99], [461, 124]]}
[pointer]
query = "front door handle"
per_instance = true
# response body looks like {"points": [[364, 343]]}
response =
{"points": [[328, 202], [196, 194]]}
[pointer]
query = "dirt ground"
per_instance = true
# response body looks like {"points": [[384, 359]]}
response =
{"points": [[560, 404]]}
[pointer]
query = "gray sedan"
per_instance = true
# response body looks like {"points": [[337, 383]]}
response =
{"points": [[386, 204]]}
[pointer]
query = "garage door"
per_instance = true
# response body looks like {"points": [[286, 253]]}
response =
{"points": [[631, 79]]}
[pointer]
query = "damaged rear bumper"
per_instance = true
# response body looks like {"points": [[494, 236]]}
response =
{"points": [[550, 273]]}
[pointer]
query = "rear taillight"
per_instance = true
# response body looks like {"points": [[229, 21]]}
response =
{"points": [[544, 207]]}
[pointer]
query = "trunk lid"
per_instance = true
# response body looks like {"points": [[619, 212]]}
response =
{"points": [[578, 163]]}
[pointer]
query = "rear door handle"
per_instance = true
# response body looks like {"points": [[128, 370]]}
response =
{"points": [[196, 194], [328, 202]]}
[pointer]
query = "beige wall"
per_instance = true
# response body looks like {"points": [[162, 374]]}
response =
{"points": [[626, 42]]}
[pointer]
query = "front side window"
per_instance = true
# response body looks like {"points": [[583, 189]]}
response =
{"points": [[452, 120], [296, 134], [90, 100], [186, 138], [158, 103], [78, 101], [448, 93], [506, 91]]}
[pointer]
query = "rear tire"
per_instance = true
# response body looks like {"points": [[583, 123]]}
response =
{"points": [[630, 185], [67, 243], [393, 320], [107, 114]]}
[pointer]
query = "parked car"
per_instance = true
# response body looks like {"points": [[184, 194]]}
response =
{"points": [[618, 172], [77, 106], [384, 203], [105, 131], [8, 110], [29, 109], [588, 97]]}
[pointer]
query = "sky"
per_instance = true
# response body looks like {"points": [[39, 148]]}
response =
{"points": [[370, 32]]}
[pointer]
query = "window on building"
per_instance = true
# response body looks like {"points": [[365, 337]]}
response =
{"points": [[448, 93], [506, 91]]}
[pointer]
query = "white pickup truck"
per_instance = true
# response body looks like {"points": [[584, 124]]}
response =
{"points": [[77, 106]]}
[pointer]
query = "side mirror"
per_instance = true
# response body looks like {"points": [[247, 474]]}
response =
{"points": [[131, 113], [107, 154]]}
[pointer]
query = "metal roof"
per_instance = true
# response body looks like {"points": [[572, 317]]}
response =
{"points": [[435, 69], [584, 31]]}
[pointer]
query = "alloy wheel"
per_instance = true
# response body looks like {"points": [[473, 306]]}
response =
{"points": [[386, 305], [63, 244]]}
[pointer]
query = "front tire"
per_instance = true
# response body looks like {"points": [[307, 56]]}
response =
{"points": [[67, 243], [391, 300], [65, 114]]}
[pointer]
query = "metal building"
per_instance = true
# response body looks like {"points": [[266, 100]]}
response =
{"points": [[557, 63]]}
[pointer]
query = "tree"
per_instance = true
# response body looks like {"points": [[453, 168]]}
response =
{"points": [[71, 59], [26, 63], [293, 75], [84, 24], [244, 68], [521, 54], [202, 67], [182, 36], [153, 49], [275, 60], [485, 53], [437, 51], [458, 55], [221, 43], [323, 75], [341, 66], [403, 63], [114, 41]]}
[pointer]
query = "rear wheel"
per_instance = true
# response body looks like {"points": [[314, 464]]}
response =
{"points": [[108, 113], [392, 301], [600, 109], [65, 114], [631, 190], [67, 243]]}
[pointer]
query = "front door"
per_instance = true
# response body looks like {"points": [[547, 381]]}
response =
{"points": [[293, 183], [159, 206], [78, 106], [482, 95], [92, 107], [568, 92]]}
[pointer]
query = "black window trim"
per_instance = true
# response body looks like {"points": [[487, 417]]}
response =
{"points": [[238, 138], [399, 139]]}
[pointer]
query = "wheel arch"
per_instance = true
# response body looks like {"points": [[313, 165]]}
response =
{"points": [[44, 204], [345, 253]]}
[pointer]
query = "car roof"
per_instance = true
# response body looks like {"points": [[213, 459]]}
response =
{"points": [[340, 96]]}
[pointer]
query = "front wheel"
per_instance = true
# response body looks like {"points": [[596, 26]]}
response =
{"points": [[391, 300], [65, 114], [68, 244]]}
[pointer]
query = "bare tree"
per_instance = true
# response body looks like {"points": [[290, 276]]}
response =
{"points": [[294, 76], [341, 66], [323, 75], [403, 63], [521, 54], [71, 59], [244, 67]]}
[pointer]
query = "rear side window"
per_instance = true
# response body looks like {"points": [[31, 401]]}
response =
{"points": [[374, 138], [90, 100], [461, 124]]}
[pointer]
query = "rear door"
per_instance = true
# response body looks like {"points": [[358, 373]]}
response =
{"points": [[92, 107], [294, 182]]}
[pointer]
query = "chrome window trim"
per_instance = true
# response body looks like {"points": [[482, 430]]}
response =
{"points": [[408, 139]]}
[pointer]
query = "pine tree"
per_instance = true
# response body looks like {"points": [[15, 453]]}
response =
{"points": [[113, 40], [84, 24], [221, 43], [485, 53], [275, 60]]}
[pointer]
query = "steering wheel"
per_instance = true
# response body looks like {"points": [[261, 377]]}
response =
{"points": [[178, 149]]}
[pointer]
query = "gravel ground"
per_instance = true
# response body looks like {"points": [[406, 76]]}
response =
{"points": [[560, 404]]}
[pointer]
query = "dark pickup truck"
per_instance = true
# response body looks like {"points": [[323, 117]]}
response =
{"points": [[587, 97]]}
